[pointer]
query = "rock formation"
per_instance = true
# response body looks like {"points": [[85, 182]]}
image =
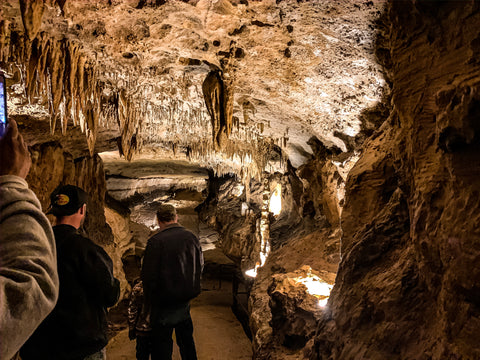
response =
{"points": [[316, 135], [129, 77], [406, 285]]}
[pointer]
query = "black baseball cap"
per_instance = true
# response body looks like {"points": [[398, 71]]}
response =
{"points": [[66, 200]]}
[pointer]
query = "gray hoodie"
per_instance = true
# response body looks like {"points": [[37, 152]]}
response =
{"points": [[28, 267]]}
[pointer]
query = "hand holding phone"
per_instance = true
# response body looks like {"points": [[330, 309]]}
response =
{"points": [[14, 156], [3, 106]]}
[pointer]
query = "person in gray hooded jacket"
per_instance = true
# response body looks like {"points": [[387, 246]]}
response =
{"points": [[28, 267]]}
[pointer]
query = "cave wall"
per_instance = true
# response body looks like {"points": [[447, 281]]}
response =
{"points": [[305, 233], [52, 166], [407, 285], [222, 210], [309, 236]]}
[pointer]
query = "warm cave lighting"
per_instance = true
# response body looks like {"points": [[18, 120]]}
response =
{"points": [[316, 287], [253, 272], [275, 206], [323, 302]]}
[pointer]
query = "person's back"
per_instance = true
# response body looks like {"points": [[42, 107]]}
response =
{"points": [[77, 326], [171, 271], [174, 275]]}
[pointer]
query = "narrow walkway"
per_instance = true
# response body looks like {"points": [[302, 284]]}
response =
{"points": [[218, 334]]}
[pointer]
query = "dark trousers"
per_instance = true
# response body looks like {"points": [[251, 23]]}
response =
{"points": [[144, 347], [162, 343]]}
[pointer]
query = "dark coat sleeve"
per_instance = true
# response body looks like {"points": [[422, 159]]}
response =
{"points": [[98, 271], [149, 267]]}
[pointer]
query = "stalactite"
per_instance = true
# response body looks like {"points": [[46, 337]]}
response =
{"points": [[213, 94], [32, 12], [61, 77]]}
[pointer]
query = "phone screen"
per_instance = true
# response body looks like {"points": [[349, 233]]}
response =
{"points": [[3, 105]]}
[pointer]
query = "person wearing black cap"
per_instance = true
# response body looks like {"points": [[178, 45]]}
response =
{"points": [[77, 326], [172, 267]]}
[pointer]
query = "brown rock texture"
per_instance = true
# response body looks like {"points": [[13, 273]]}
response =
{"points": [[407, 285], [268, 308], [305, 233], [295, 312], [223, 211], [32, 11], [123, 244]]}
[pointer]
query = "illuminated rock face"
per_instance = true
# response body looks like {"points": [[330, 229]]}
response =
{"points": [[140, 185], [286, 71], [407, 286], [294, 303], [296, 94], [305, 232]]}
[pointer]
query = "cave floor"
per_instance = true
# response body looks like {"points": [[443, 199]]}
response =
{"points": [[218, 334]]}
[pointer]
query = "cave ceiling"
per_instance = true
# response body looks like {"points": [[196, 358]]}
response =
{"points": [[129, 73]]}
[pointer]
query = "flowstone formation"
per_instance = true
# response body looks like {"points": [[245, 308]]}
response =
{"points": [[407, 285]]}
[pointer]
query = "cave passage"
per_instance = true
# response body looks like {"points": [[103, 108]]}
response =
{"points": [[219, 314], [327, 154]]}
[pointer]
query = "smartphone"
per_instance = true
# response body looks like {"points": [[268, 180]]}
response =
{"points": [[3, 105]]}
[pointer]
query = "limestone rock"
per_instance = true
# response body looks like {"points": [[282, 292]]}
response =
{"points": [[299, 235], [32, 11], [405, 288], [295, 312], [137, 67]]}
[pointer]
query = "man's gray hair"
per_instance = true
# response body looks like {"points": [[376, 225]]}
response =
{"points": [[166, 213]]}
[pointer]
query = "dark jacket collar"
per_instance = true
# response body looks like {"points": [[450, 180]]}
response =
{"points": [[170, 226], [65, 227]]}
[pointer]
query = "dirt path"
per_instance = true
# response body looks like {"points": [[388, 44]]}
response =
{"points": [[218, 334]]}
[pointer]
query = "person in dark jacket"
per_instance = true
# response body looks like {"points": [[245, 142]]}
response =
{"points": [[171, 272], [76, 329], [139, 322]]}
